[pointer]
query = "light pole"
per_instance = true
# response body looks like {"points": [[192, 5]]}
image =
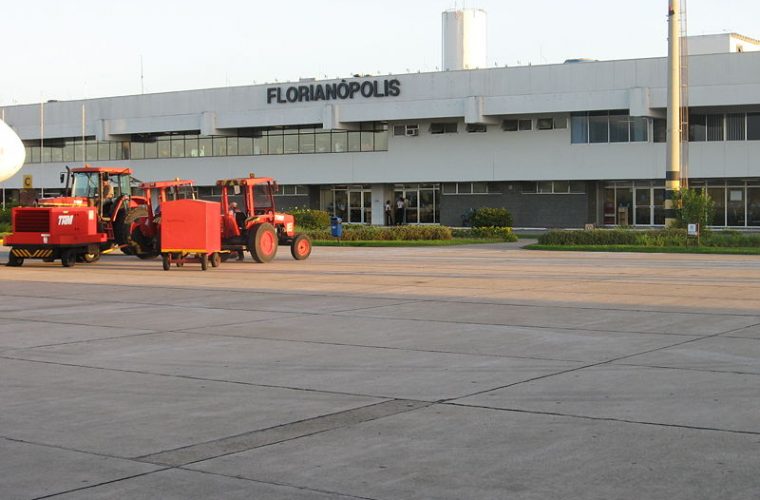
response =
{"points": [[673, 157]]}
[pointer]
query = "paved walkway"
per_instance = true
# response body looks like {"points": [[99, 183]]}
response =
{"points": [[460, 372]]}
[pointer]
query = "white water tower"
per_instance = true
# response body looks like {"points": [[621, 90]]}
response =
{"points": [[464, 39]]}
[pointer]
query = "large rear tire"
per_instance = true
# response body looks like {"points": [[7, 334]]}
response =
{"points": [[262, 242], [300, 248], [123, 226]]}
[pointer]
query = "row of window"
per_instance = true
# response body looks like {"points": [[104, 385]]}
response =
{"points": [[271, 142], [716, 127], [596, 127], [554, 187], [510, 125]]}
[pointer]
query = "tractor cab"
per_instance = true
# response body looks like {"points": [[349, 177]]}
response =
{"points": [[106, 188]]}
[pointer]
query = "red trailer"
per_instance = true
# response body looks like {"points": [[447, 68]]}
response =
{"points": [[191, 227]]}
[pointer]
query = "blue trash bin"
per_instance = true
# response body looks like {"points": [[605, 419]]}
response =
{"points": [[336, 227]]}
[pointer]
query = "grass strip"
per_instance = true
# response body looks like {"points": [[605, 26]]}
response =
{"points": [[642, 249], [405, 243]]}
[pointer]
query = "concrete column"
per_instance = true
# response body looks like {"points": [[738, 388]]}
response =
{"points": [[673, 159]]}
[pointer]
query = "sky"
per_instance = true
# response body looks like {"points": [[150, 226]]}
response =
{"points": [[75, 49]]}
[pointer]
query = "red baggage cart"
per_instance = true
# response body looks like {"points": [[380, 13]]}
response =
{"points": [[191, 231]]}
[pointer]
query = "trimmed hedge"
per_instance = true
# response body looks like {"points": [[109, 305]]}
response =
{"points": [[307, 218], [489, 233], [649, 238], [653, 238], [491, 217], [381, 233]]}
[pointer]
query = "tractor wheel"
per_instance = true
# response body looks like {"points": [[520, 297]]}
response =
{"points": [[204, 261], [300, 248], [262, 242], [68, 258], [167, 261], [215, 259], [122, 226], [15, 261]]}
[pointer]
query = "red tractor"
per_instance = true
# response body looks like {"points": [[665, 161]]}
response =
{"points": [[256, 226], [94, 216], [145, 230]]}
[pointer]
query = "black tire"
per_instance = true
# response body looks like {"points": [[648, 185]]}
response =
{"points": [[15, 261], [167, 261], [90, 258], [262, 243], [300, 248], [240, 255], [204, 261], [215, 259], [68, 258], [122, 226]]}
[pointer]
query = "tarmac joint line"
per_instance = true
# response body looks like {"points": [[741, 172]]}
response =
{"points": [[286, 432]]}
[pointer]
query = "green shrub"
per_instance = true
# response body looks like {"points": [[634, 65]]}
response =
{"points": [[694, 206], [5, 227], [5, 215], [652, 238], [381, 233], [730, 239], [307, 218], [490, 233], [491, 217]]}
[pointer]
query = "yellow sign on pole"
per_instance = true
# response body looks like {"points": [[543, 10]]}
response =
{"points": [[28, 183]]}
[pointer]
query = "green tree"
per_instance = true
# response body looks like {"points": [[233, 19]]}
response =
{"points": [[694, 206]]}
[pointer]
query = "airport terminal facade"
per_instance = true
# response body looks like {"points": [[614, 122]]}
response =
{"points": [[558, 145]]}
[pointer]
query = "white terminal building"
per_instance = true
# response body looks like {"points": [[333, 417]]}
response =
{"points": [[559, 145]]}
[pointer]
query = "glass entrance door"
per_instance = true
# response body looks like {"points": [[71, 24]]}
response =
{"points": [[421, 202], [360, 207]]}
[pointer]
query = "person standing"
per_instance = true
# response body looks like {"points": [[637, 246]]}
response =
{"points": [[400, 210], [388, 213]]}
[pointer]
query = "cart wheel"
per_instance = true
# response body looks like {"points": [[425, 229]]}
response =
{"points": [[167, 261], [204, 261], [15, 261], [301, 247], [215, 260], [178, 259], [262, 242], [68, 258], [89, 258]]}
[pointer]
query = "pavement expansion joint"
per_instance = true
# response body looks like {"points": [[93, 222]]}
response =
{"points": [[601, 419], [286, 432]]}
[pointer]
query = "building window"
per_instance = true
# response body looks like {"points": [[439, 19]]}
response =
{"points": [[753, 126], [509, 125], [736, 126], [467, 188], [443, 128], [525, 124], [293, 190], [579, 128], [545, 123], [476, 128], [554, 187], [601, 127]]}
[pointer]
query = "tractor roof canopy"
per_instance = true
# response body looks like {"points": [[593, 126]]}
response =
{"points": [[246, 181], [105, 170], [165, 184]]}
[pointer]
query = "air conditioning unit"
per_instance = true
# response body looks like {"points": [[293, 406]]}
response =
{"points": [[412, 131]]}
